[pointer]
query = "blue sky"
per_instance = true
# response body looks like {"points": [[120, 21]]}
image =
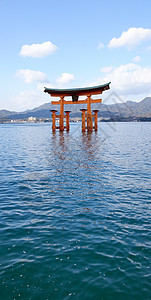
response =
{"points": [[73, 44]]}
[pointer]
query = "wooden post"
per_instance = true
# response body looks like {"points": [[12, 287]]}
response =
{"points": [[67, 119], [53, 119], [95, 119], [61, 119], [83, 119], [89, 115]]}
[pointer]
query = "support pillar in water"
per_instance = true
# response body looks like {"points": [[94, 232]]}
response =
{"points": [[61, 119], [67, 112], [95, 119], [83, 119], [89, 115], [53, 119]]}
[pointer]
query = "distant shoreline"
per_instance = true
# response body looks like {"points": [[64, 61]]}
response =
{"points": [[76, 120]]}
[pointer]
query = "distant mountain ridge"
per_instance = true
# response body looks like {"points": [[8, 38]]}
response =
{"points": [[126, 110]]}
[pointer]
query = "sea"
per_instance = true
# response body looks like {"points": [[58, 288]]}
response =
{"points": [[75, 212]]}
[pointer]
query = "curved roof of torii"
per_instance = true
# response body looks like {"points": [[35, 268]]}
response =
{"points": [[88, 91]]}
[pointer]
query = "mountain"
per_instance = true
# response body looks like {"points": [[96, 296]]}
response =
{"points": [[131, 109], [128, 109], [6, 113]]}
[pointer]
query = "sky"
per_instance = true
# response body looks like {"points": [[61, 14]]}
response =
{"points": [[73, 43]]}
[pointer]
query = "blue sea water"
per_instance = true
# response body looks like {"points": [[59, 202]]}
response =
{"points": [[75, 212]]}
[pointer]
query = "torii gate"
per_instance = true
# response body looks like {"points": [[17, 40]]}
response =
{"points": [[75, 93]]}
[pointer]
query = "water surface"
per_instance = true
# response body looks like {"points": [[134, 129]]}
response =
{"points": [[75, 212]]}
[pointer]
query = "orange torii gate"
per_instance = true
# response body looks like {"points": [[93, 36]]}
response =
{"points": [[75, 93]]}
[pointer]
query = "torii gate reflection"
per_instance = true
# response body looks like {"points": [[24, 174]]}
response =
{"points": [[86, 113]]}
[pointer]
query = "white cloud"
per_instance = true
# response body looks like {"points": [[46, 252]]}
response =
{"points": [[131, 38], [27, 100], [38, 50], [129, 79], [65, 78], [106, 69], [100, 46], [136, 59], [31, 76]]}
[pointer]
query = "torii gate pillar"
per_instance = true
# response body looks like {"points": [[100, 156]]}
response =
{"points": [[83, 119], [61, 120], [53, 119], [89, 115], [95, 119], [67, 119]]}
